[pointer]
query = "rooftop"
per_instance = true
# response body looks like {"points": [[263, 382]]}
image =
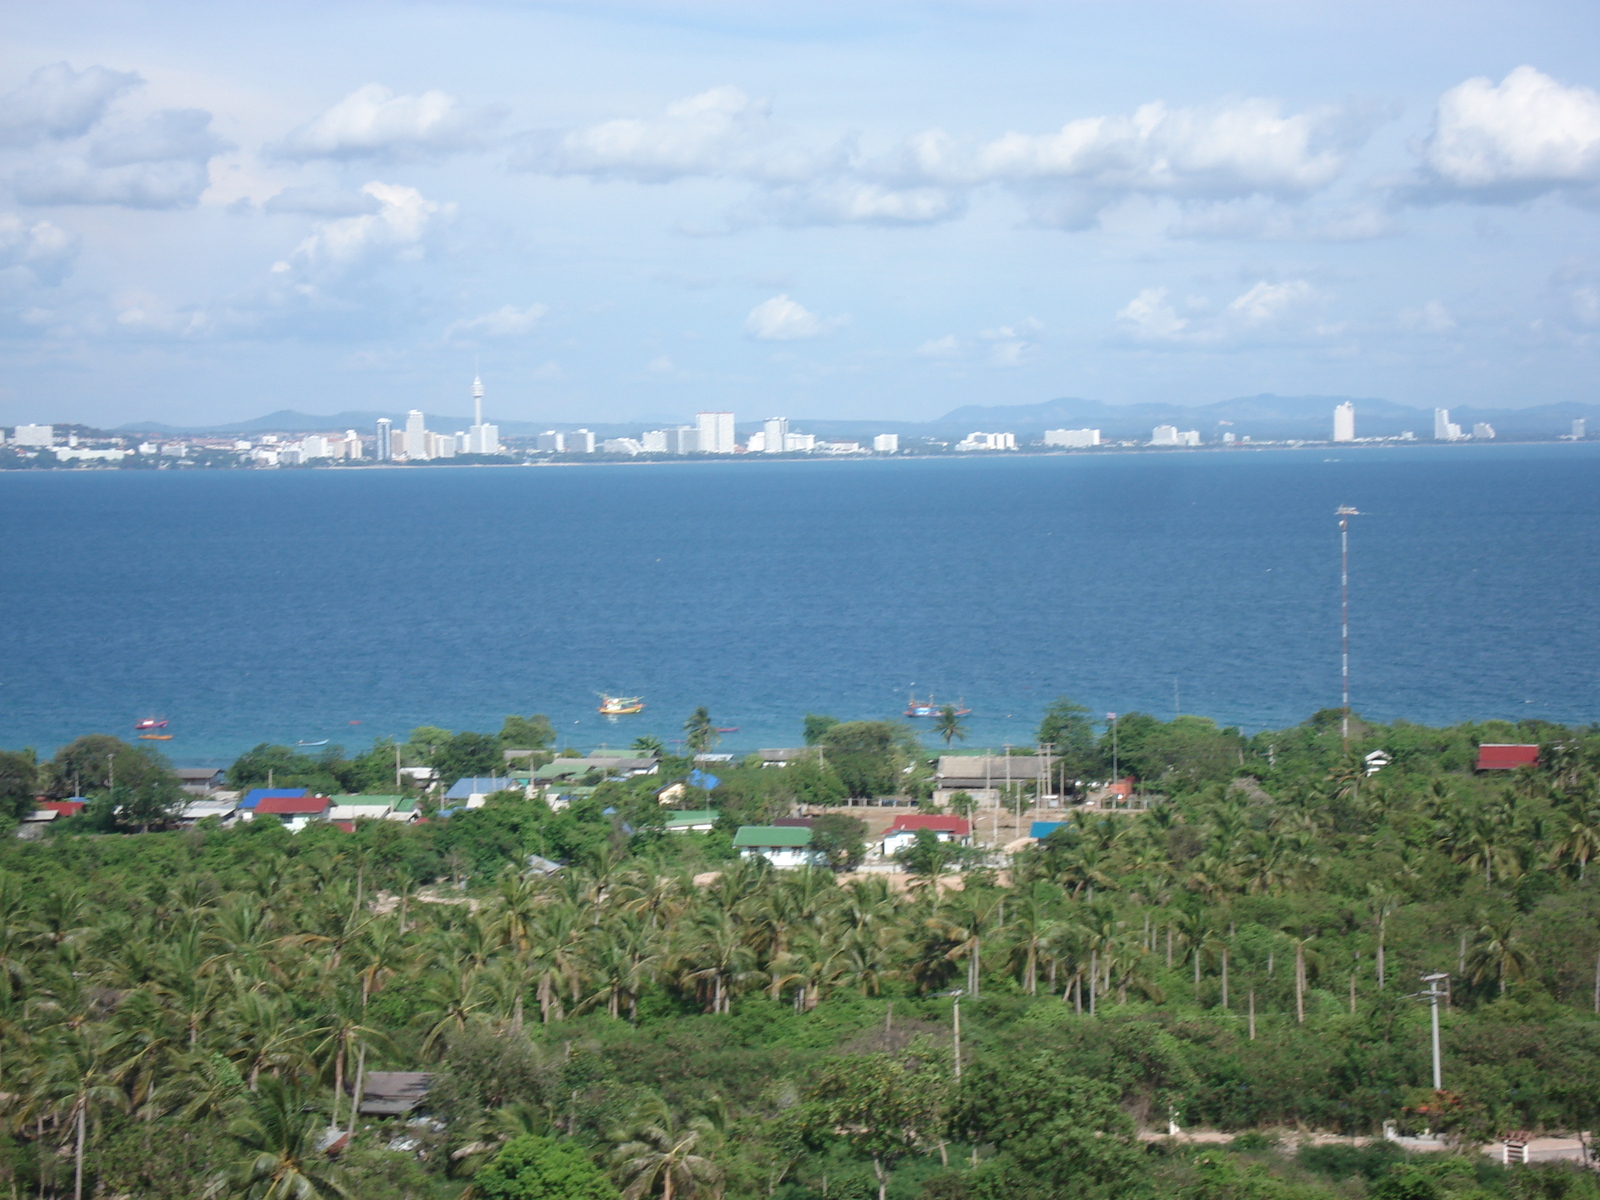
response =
{"points": [[757, 836]]}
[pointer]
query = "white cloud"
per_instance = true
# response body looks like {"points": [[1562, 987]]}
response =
{"points": [[945, 347], [1525, 135], [44, 251], [661, 365], [505, 322], [848, 201], [159, 162], [1265, 312], [781, 319], [321, 202], [717, 132], [58, 102], [1432, 317], [398, 229], [373, 122]]}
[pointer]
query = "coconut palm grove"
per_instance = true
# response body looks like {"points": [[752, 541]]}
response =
{"points": [[586, 1003]]}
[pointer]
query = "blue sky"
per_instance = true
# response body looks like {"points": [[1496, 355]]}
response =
{"points": [[621, 211]]}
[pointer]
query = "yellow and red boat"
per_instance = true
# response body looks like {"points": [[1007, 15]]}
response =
{"points": [[616, 706]]}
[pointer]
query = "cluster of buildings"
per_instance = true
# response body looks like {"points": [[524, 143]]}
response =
{"points": [[1446, 430], [417, 443], [711, 433]]}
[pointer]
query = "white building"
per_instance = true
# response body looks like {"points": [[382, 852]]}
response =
{"points": [[83, 454], [384, 450], [481, 438], [886, 443], [1444, 430], [715, 432], [1077, 439], [352, 444], [1165, 435], [1580, 429], [756, 443], [773, 434], [33, 435], [622, 446], [841, 448], [314, 446], [416, 435], [580, 441], [1483, 432], [988, 441], [552, 442], [806, 442], [1344, 422]]}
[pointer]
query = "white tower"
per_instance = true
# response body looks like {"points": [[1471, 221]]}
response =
{"points": [[481, 438], [1344, 422], [777, 433]]}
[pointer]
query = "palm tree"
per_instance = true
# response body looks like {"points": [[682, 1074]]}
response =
{"points": [[648, 745], [948, 725], [278, 1155], [83, 1074], [1498, 954], [699, 733], [660, 1153], [1577, 839]]}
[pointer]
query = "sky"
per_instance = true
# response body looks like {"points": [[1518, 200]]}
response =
{"points": [[633, 211]]}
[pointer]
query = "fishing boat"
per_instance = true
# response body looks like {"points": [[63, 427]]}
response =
{"points": [[616, 706], [155, 737], [151, 723], [323, 742], [927, 708], [727, 729]]}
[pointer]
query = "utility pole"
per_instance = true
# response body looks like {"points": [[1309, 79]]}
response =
{"points": [[1112, 717], [1433, 993], [1344, 513]]}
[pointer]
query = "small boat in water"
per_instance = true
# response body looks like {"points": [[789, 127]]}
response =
{"points": [[616, 706], [151, 723], [927, 708], [323, 742], [155, 737], [727, 729]]}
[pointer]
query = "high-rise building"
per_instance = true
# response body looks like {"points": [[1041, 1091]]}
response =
{"points": [[1442, 426], [800, 441], [551, 442], [886, 443], [654, 441], [33, 435], [685, 439], [1076, 439], [481, 438], [580, 441], [715, 430], [1483, 432], [417, 435], [384, 450], [1344, 422], [988, 441], [773, 433], [1164, 435], [1580, 429], [352, 444]]}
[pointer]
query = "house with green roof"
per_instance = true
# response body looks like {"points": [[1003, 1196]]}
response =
{"points": [[698, 820], [783, 846]]}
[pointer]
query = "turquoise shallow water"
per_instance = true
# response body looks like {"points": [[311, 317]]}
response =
{"points": [[258, 605]]}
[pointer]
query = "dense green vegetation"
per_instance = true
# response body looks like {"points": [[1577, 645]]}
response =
{"points": [[186, 1010]]}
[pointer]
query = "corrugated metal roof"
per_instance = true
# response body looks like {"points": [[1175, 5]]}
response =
{"points": [[959, 826], [292, 806], [1504, 756], [756, 836], [255, 795]]}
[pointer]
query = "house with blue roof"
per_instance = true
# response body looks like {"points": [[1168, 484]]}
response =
{"points": [[470, 791]]}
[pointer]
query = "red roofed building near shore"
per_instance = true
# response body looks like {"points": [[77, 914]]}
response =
{"points": [[904, 830], [1503, 756], [293, 811], [67, 808]]}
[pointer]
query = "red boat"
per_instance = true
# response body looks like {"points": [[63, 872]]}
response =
{"points": [[151, 723]]}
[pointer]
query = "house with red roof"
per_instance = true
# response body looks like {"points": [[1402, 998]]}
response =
{"points": [[294, 811], [904, 831], [1506, 756]]}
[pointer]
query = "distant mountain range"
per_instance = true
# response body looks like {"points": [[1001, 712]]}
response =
{"points": [[1265, 417]]}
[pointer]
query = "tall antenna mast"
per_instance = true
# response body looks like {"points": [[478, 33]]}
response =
{"points": [[1344, 513]]}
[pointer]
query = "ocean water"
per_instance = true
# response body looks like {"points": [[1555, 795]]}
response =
{"points": [[250, 606]]}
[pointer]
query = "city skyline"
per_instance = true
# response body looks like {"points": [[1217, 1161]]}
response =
{"points": [[890, 210]]}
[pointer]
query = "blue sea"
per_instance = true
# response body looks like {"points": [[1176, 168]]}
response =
{"points": [[298, 605]]}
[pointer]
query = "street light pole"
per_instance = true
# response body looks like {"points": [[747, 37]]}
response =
{"points": [[957, 1006], [1433, 993]]}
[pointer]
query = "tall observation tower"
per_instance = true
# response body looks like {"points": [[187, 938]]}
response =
{"points": [[481, 438]]}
